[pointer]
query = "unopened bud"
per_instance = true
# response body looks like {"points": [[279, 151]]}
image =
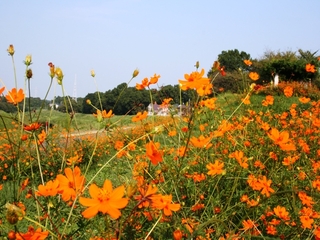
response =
{"points": [[135, 73], [52, 70], [28, 60], [93, 74], [10, 50], [88, 101], [216, 66], [197, 65], [59, 75]]}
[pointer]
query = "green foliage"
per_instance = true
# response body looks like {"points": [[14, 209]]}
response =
{"points": [[232, 60], [289, 65]]}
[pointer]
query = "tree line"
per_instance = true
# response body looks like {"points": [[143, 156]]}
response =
{"points": [[289, 65]]}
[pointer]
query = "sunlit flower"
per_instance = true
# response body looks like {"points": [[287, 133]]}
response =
{"points": [[254, 76], [195, 80], [71, 183], [310, 68], [106, 200], [15, 96], [50, 189]]}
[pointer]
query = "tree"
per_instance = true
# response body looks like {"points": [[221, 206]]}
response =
{"points": [[288, 65], [232, 60]]}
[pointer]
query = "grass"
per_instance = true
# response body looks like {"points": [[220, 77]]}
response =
{"points": [[228, 170]]}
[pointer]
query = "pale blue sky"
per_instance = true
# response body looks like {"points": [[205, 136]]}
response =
{"points": [[167, 37]]}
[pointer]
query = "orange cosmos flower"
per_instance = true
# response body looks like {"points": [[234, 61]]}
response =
{"points": [[178, 234], [305, 199], [246, 100], [153, 152], [304, 100], [145, 195], [201, 142], [269, 101], [15, 96], [310, 68], [1, 90], [154, 79], [140, 116], [282, 213], [32, 234], [195, 80], [247, 62], [103, 114], [239, 156], [216, 168], [281, 139], [50, 189], [306, 222], [248, 224], [265, 186], [32, 127], [288, 91], [166, 102], [164, 202], [105, 200], [254, 76], [71, 184], [146, 83]]}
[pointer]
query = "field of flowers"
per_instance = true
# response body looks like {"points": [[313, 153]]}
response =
{"points": [[243, 166]]}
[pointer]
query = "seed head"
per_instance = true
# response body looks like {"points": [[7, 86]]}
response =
{"points": [[29, 73]]}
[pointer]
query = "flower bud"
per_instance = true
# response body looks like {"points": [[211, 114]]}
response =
{"points": [[10, 50], [216, 66], [14, 213], [52, 71], [88, 101], [59, 75], [93, 74], [28, 60], [197, 65], [135, 73]]}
